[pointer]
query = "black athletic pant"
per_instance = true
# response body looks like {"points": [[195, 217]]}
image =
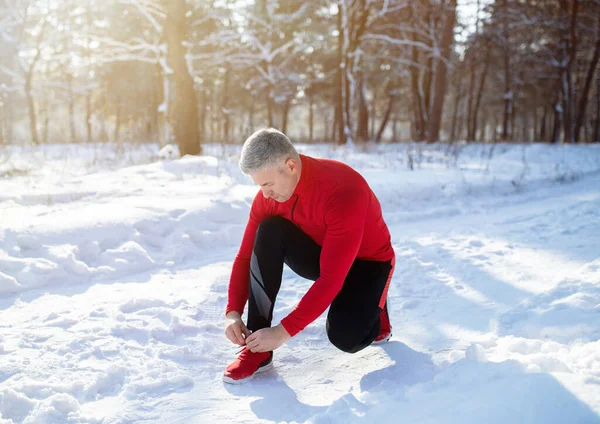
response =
{"points": [[353, 320]]}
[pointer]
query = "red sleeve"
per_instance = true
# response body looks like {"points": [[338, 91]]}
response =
{"points": [[240, 272], [345, 216]]}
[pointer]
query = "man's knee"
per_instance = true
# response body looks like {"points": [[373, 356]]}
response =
{"points": [[271, 226], [345, 339]]}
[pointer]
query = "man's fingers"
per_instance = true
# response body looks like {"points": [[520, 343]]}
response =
{"points": [[239, 336], [253, 342], [234, 339], [230, 335], [252, 345], [251, 338], [245, 331]]}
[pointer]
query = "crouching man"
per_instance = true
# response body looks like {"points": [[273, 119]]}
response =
{"points": [[321, 218]]}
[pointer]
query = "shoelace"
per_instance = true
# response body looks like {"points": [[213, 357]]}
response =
{"points": [[246, 353]]}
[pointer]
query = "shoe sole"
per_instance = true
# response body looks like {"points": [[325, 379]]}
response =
{"points": [[382, 341], [264, 368]]}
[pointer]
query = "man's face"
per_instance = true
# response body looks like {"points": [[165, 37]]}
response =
{"points": [[278, 183]]}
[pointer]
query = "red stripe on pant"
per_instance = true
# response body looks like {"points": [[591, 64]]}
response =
{"points": [[387, 284]]}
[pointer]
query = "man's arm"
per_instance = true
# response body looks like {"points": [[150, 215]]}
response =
{"points": [[240, 272], [345, 220]]}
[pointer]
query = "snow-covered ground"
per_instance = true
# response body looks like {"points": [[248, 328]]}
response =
{"points": [[114, 268]]}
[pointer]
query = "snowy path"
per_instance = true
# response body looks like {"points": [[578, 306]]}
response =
{"points": [[121, 285]]}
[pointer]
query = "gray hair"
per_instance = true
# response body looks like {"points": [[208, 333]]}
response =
{"points": [[266, 148]]}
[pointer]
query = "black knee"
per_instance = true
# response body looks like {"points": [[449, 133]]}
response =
{"points": [[271, 229], [348, 336], [344, 339]]}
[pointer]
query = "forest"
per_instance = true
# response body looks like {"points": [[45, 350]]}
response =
{"points": [[345, 71]]}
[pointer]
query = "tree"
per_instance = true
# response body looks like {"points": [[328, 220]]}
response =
{"points": [[183, 114], [441, 74]]}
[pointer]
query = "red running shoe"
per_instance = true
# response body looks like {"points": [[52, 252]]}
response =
{"points": [[247, 365], [386, 327]]}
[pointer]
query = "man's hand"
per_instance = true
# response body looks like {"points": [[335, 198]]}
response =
{"points": [[267, 339], [235, 329]]}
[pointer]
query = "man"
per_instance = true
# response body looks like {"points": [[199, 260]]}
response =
{"points": [[320, 218]]}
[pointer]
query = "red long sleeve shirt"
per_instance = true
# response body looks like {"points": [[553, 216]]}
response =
{"points": [[337, 209]]}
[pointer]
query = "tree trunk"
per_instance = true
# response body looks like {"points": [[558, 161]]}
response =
{"points": [[71, 107], [285, 115], [427, 91], [470, 101], [435, 120], [470, 118], [334, 127], [29, 87], [583, 98], [567, 100], [2, 121], [482, 128], [495, 130], [362, 131], [418, 104], [513, 114], [88, 98], [542, 131], [507, 76], [525, 125], [103, 113], [373, 115], [270, 111], [417, 96], [46, 123], [325, 136], [557, 124], [165, 129], [214, 118], [535, 114], [348, 116], [251, 114], [32, 112], [459, 127], [457, 98], [30, 100], [10, 117], [202, 114], [386, 118], [596, 136], [569, 45], [183, 113], [224, 111], [356, 15], [311, 118], [117, 133], [484, 73], [156, 100], [340, 82], [88, 115]]}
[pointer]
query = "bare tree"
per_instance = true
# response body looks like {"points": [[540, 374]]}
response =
{"points": [[441, 74], [183, 115], [583, 98]]}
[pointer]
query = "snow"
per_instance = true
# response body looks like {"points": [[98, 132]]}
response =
{"points": [[115, 260]]}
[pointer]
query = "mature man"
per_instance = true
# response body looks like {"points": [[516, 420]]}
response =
{"points": [[321, 218]]}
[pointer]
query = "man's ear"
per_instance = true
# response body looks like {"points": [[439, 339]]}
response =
{"points": [[291, 164]]}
